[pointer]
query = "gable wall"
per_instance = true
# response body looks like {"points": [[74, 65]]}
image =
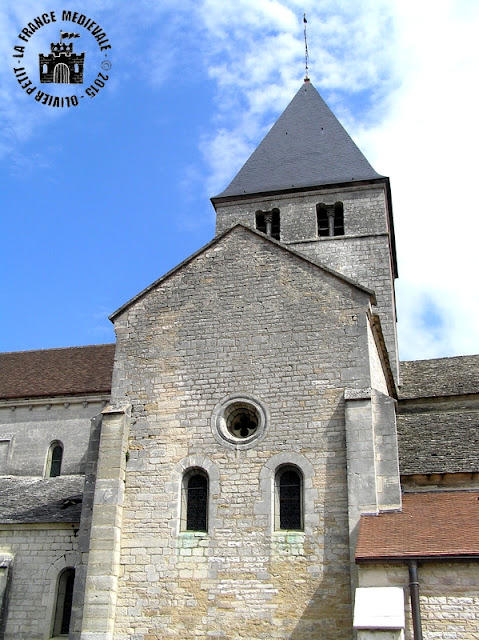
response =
{"points": [[245, 317], [362, 254]]}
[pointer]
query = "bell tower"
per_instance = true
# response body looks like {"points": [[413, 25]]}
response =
{"points": [[308, 186]]}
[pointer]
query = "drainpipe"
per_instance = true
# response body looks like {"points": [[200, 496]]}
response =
{"points": [[414, 593]]}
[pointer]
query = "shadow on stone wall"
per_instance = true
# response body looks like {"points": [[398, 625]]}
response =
{"points": [[328, 613]]}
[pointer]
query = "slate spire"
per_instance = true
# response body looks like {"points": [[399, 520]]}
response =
{"points": [[306, 147]]}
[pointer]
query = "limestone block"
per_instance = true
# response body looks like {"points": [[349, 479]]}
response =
{"points": [[380, 634]]}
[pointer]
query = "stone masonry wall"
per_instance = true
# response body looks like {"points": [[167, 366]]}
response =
{"points": [[363, 253], [40, 553], [30, 428], [246, 317], [450, 601], [449, 597], [365, 260]]}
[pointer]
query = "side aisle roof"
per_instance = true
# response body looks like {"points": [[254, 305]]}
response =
{"points": [[56, 372]]}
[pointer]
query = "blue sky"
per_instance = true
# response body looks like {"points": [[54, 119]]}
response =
{"points": [[101, 199]]}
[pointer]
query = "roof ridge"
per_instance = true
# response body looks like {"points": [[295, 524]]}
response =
{"points": [[465, 355], [81, 346]]}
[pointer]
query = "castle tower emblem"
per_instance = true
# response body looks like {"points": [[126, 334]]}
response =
{"points": [[62, 65]]}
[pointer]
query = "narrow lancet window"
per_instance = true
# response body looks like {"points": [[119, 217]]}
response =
{"points": [[289, 499], [54, 461], [196, 501], [63, 608]]}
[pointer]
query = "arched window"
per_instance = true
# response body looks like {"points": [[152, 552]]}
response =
{"points": [[45, 68], [330, 218], [269, 223], [195, 501], [63, 607], [289, 499], [54, 461], [76, 67]]}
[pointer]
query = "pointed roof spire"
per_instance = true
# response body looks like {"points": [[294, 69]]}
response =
{"points": [[306, 147]]}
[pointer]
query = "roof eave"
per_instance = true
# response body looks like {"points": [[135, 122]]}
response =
{"points": [[440, 557], [219, 199]]}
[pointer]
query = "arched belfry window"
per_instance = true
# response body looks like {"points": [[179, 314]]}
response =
{"points": [[289, 499], [330, 218], [195, 501], [54, 460], [269, 223], [63, 607]]}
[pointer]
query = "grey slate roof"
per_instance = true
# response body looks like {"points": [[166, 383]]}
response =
{"points": [[439, 377], [439, 442], [306, 147], [34, 500], [438, 418]]}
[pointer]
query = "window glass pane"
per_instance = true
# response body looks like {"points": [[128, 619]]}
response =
{"points": [[290, 500], [197, 503], [57, 455]]}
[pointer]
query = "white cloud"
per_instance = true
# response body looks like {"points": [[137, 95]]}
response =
{"points": [[416, 62], [427, 143]]}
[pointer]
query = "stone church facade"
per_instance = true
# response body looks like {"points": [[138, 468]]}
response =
{"points": [[250, 459]]}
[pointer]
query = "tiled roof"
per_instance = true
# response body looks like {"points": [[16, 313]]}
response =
{"points": [[34, 500], [56, 372], [439, 377], [431, 525], [438, 442], [306, 147]]}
